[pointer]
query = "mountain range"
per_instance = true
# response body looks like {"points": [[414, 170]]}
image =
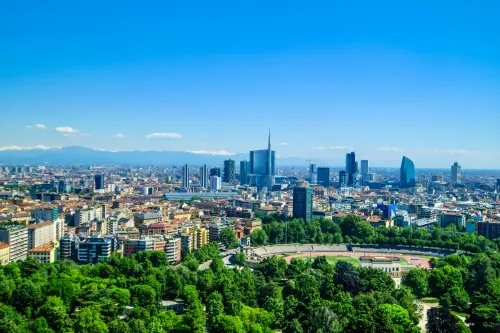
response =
{"points": [[83, 155]]}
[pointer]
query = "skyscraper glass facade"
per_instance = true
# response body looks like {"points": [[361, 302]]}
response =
{"points": [[324, 176], [302, 203], [244, 172], [407, 176]]}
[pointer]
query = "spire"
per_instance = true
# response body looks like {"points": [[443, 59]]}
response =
{"points": [[269, 140], [269, 155]]}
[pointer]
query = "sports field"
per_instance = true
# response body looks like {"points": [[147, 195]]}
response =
{"points": [[333, 259]]}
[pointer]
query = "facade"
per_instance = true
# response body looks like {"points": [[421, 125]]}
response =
{"points": [[17, 238], [451, 218], [407, 173], [45, 232], [68, 247], [488, 229], [215, 183], [44, 254], [364, 168], [45, 214], [132, 246], [244, 172], [86, 215], [185, 176], [456, 171], [342, 179], [194, 238], [229, 171], [302, 203], [263, 167], [173, 249], [94, 248], [214, 231], [99, 181], [391, 266], [324, 176], [4, 253], [204, 176], [350, 168], [313, 173]]}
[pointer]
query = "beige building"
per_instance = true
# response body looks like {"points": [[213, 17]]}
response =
{"points": [[17, 238], [391, 266], [45, 232], [44, 254], [4, 253], [173, 249]]}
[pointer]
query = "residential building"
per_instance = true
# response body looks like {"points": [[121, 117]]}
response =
{"points": [[302, 203], [215, 183], [214, 231], [132, 246], [448, 218], [4, 253], [94, 248], [488, 229], [244, 172], [407, 173], [99, 181], [173, 249], [194, 238], [45, 214], [456, 171], [229, 171], [86, 215], [17, 238], [68, 247], [185, 176], [43, 254], [204, 176], [324, 176], [45, 232]]}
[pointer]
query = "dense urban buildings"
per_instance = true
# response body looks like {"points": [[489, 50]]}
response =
{"points": [[407, 174]]}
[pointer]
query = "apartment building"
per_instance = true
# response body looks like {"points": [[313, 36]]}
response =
{"points": [[4, 253], [17, 238], [45, 232], [85, 215], [44, 254]]}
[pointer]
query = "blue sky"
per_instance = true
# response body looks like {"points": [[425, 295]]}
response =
{"points": [[380, 78]]}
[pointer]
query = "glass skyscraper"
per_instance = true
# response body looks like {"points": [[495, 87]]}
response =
{"points": [[350, 168], [99, 181], [262, 166], [407, 176], [302, 203], [244, 172], [324, 176]]}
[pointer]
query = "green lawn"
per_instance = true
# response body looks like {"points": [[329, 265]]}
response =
{"points": [[404, 261], [333, 260]]}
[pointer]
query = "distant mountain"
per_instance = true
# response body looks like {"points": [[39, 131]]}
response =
{"points": [[82, 155]]}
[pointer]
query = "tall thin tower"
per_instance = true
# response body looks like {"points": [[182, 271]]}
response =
{"points": [[269, 156]]}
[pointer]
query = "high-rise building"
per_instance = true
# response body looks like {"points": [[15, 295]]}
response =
{"points": [[215, 172], [99, 181], [17, 238], [204, 176], [302, 203], [313, 174], [488, 229], [229, 171], [350, 168], [364, 168], [185, 176], [456, 173], [324, 176], [498, 183], [45, 232], [215, 183], [244, 172], [262, 165], [407, 174], [342, 178]]}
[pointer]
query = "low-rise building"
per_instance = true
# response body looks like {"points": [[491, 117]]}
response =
{"points": [[44, 254], [68, 247], [488, 229], [4, 253], [94, 248], [447, 219], [391, 266]]}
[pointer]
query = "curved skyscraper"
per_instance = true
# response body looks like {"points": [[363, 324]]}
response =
{"points": [[407, 178]]}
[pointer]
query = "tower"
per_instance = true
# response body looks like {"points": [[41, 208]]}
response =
{"points": [[269, 156], [302, 203], [185, 176], [456, 173], [99, 181], [229, 171], [244, 172], [204, 176]]}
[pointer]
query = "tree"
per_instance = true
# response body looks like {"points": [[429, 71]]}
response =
{"points": [[440, 320], [55, 314], [417, 281], [393, 318], [227, 324], [143, 296], [442, 279], [39, 325], [118, 326], [27, 296], [215, 307], [324, 320], [228, 238], [240, 259], [347, 276], [273, 268], [88, 320], [258, 237]]}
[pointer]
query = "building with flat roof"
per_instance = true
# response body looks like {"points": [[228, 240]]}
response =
{"points": [[17, 238], [391, 265], [45, 232], [68, 247], [173, 249], [488, 229], [45, 214], [44, 254], [86, 215], [448, 218], [302, 203], [324, 176], [456, 173], [94, 248]]}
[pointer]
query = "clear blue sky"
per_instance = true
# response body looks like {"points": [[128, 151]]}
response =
{"points": [[385, 78]]}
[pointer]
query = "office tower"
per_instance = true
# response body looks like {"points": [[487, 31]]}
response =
{"points": [[262, 165], [407, 175], [229, 171], [455, 173], [185, 176], [364, 168], [99, 181], [313, 174], [244, 172], [350, 168], [302, 203], [215, 183], [324, 176], [342, 178], [215, 172], [204, 176]]}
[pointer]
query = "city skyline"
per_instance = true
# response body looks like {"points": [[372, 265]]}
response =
{"points": [[141, 82]]}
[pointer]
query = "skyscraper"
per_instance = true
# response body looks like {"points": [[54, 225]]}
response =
{"points": [[302, 203], [364, 168], [407, 175], [185, 176], [324, 176], [215, 183], [215, 172], [350, 168], [262, 165], [99, 181], [342, 178], [204, 176], [455, 173], [229, 171], [244, 172], [313, 174]]}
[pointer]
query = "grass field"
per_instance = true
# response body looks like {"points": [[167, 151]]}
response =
{"points": [[333, 260]]}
